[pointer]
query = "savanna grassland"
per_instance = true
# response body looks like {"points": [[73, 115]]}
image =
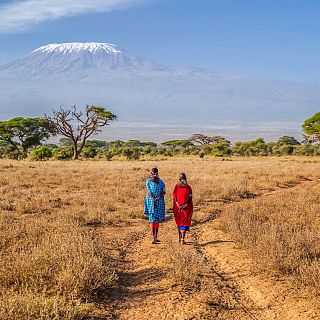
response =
{"points": [[75, 245]]}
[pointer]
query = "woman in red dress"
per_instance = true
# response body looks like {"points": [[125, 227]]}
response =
{"points": [[182, 206]]}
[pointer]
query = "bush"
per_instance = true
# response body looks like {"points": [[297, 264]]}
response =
{"points": [[201, 154], [62, 153], [108, 155], [41, 153], [116, 151], [147, 149], [304, 150], [131, 153], [105, 153], [11, 153], [154, 152], [88, 152], [286, 149], [168, 153]]}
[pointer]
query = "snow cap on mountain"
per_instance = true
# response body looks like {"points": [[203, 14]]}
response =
{"points": [[92, 47]]}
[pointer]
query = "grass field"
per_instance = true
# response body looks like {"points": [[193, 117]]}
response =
{"points": [[60, 253]]}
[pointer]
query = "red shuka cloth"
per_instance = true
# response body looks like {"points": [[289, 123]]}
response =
{"points": [[182, 194]]}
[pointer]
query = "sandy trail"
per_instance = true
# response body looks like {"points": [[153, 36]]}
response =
{"points": [[226, 284], [147, 288]]}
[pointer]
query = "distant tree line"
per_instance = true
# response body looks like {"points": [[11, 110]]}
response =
{"points": [[27, 137]]}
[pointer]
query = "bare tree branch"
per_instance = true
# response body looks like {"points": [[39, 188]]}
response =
{"points": [[78, 126]]}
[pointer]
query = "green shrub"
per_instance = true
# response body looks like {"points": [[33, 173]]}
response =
{"points": [[41, 153], [88, 152], [116, 151], [105, 153], [11, 153], [154, 152], [168, 153], [131, 153], [108, 155], [62, 153], [201, 154]]}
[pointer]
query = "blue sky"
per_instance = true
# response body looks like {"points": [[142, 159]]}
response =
{"points": [[260, 38]]}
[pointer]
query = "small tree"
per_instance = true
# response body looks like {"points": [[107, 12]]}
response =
{"points": [[311, 128], [200, 138], [131, 153], [96, 144], [177, 143], [286, 140], [78, 126], [132, 143], [24, 133], [204, 140]]}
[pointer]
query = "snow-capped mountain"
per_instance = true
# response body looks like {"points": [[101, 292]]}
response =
{"points": [[139, 89], [76, 61]]}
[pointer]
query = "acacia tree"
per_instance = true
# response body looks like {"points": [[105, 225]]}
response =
{"points": [[311, 128], [24, 133], [78, 126], [287, 140], [177, 143], [204, 140]]}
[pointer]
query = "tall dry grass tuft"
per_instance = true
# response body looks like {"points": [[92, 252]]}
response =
{"points": [[31, 306], [282, 231], [184, 266], [45, 269]]}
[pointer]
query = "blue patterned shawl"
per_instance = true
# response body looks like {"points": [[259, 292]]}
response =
{"points": [[155, 210]]}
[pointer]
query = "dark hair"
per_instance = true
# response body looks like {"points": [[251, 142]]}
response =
{"points": [[154, 170], [182, 176]]}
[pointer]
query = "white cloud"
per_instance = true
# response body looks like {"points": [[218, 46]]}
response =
{"points": [[20, 15]]}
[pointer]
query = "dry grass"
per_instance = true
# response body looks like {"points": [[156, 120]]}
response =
{"points": [[282, 231], [30, 306], [49, 259], [53, 260], [184, 267]]}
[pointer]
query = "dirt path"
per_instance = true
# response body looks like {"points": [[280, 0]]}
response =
{"points": [[148, 286], [222, 281]]}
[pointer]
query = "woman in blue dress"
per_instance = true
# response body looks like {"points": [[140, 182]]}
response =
{"points": [[154, 205]]}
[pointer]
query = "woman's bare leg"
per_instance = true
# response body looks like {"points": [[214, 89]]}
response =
{"points": [[153, 232], [183, 237]]}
